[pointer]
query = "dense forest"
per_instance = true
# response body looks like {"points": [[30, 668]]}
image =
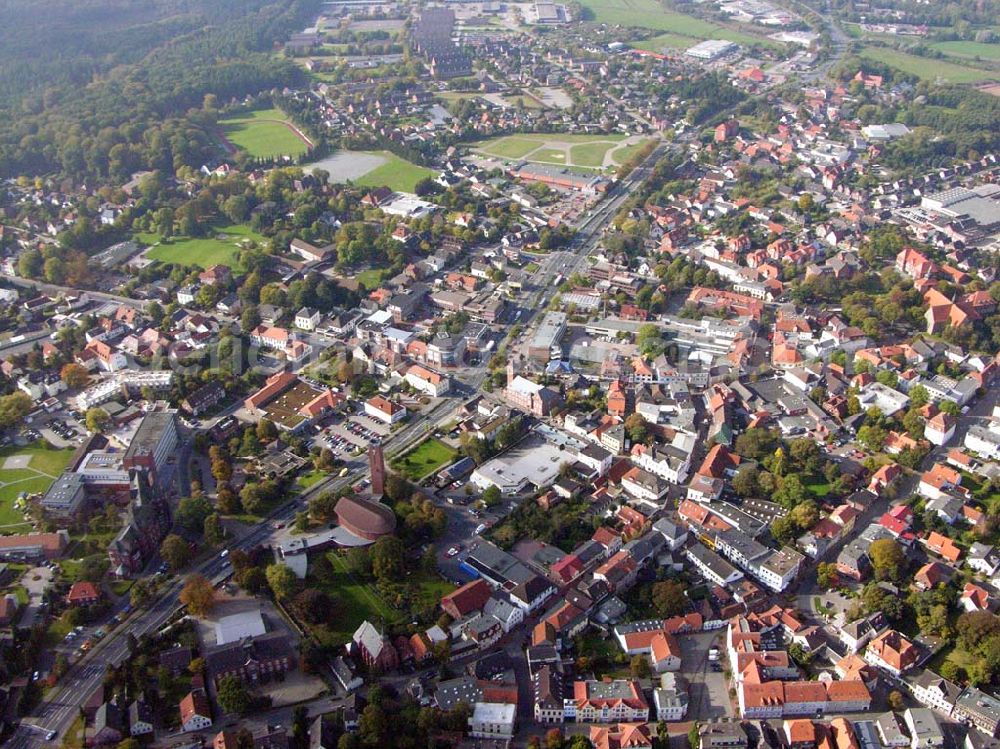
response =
{"points": [[94, 88]]}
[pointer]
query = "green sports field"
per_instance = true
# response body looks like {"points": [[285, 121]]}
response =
{"points": [[584, 151], [395, 173], [265, 133], [924, 68], [220, 247], [650, 14], [37, 467]]}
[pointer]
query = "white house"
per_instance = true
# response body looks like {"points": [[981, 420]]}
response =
{"points": [[983, 558], [493, 720], [271, 337], [384, 410], [940, 428], [509, 615], [596, 458], [645, 486], [934, 691], [925, 730], [984, 440], [671, 698], [532, 593], [427, 381], [307, 318], [186, 294]]}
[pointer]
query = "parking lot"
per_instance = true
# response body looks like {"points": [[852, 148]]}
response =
{"points": [[345, 436], [709, 693]]}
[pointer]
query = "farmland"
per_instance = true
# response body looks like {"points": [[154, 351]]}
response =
{"points": [[263, 133], [924, 68]]}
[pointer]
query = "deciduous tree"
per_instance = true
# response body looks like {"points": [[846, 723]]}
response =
{"points": [[198, 595]]}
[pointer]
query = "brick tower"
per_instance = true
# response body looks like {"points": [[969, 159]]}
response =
{"points": [[376, 465]]}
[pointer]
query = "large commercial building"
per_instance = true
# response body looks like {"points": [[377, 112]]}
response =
{"points": [[548, 335], [154, 442], [533, 463]]}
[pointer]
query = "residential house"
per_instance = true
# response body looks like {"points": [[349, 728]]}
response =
{"points": [[196, 712]]}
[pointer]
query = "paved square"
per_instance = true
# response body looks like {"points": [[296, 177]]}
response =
{"points": [[13, 462]]}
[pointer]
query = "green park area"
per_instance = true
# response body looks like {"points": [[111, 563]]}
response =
{"points": [[26, 470], [426, 458], [264, 133], [358, 599], [395, 173], [925, 68], [221, 246]]}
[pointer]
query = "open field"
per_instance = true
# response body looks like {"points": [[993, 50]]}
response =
{"points": [[395, 173], [649, 14], [428, 457], [588, 154], [969, 49], [587, 151], [924, 68], [661, 41], [264, 132], [221, 247], [512, 147], [37, 467]]}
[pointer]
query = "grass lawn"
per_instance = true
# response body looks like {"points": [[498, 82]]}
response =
{"points": [[356, 601], [262, 133], [819, 489], [550, 156], [219, 248], [428, 457], [511, 147], [431, 587], [311, 478], [46, 463], [395, 173], [969, 49], [589, 154], [371, 278], [623, 154], [927, 69], [457, 95], [529, 102], [531, 268]]}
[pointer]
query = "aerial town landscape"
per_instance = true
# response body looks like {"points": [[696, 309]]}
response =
{"points": [[461, 373]]}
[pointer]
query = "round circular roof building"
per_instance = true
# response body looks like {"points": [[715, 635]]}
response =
{"points": [[364, 518]]}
